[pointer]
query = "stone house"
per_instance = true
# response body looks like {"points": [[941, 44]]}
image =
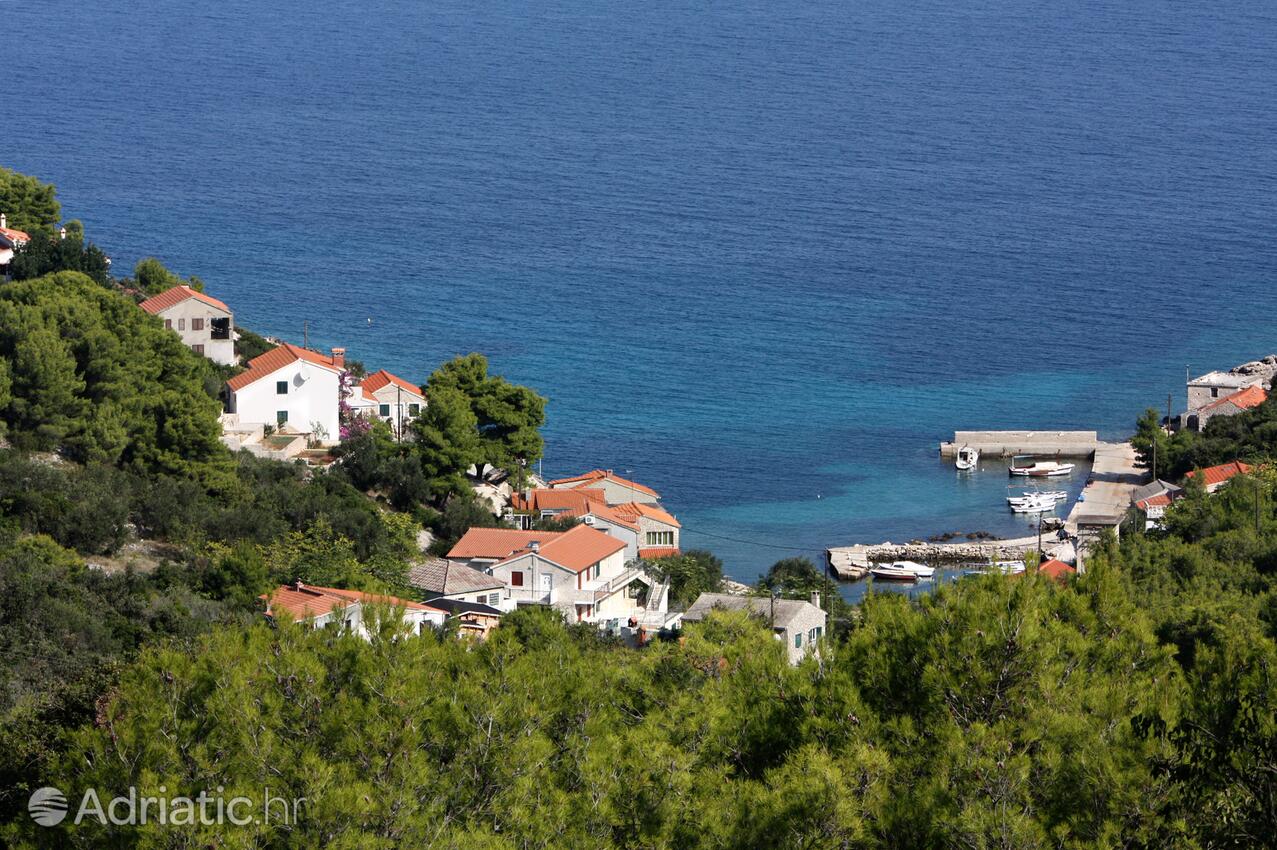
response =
{"points": [[798, 624]]}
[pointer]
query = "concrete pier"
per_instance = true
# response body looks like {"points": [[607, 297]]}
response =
{"points": [[853, 562], [1008, 443]]}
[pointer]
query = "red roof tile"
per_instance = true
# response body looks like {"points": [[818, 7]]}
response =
{"points": [[580, 548], [637, 509], [382, 378], [1219, 474], [569, 502], [1160, 500], [1245, 399], [305, 601], [14, 237], [274, 360], [171, 297], [650, 552], [1057, 570], [497, 543], [595, 476]]}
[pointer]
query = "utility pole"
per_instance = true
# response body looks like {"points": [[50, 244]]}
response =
{"points": [[1168, 412], [305, 334], [1257, 507]]}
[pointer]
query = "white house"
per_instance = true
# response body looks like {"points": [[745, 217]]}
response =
{"points": [[347, 610], [290, 386], [658, 530], [10, 241], [439, 578], [390, 398], [204, 323], [581, 572]]}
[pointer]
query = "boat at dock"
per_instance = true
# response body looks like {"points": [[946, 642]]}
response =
{"points": [[967, 458], [893, 573], [1040, 469], [1034, 505], [1057, 495], [919, 570]]}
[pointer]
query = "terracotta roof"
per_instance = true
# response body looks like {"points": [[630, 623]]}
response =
{"points": [[1057, 570], [576, 502], [172, 297], [498, 543], [1160, 500], [650, 552], [1252, 396], [637, 509], [14, 237], [382, 378], [597, 475], [305, 601], [1219, 474], [579, 548], [439, 575], [611, 514], [274, 360]]}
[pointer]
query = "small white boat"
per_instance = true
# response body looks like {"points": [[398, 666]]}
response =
{"points": [[1008, 568], [919, 570], [967, 458], [892, 573], [1040, 469], [1059, 495], [1034, 506]]}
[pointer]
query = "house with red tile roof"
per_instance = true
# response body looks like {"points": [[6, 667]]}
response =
{"points": [[1056, 570], [539, 503], [658, 529], [581, 572], [390, 398], [10, 241], [290, 389], [1244, 399], [205, 324], [616, 490], [1215, 477], [349, 611]]}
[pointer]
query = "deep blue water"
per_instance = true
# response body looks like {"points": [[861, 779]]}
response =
{"points": [[764, 255]]}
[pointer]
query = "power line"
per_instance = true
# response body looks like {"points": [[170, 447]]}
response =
{"points": [[752, 542]]}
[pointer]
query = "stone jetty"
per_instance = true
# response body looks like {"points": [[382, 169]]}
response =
{"points": [[854, 562]]}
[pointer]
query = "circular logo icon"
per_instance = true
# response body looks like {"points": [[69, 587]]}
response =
{"points": [[48, 806]]}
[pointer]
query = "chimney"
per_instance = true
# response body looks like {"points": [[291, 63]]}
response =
{"points": [[339, 358], [535, 545], [4, 221], [815, 598], [297, 585], [62, 234]]}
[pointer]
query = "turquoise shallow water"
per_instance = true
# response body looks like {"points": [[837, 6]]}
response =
{"points": [[756, 253]]}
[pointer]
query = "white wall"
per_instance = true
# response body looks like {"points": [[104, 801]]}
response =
{"points": [[311, 397], [180, 315], [628, 536]]}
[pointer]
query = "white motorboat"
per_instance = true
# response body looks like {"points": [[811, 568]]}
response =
{"points": [[1057, 495], [892, 573], [1034, 506], [967, 458], [1040, 469], [919, 570]]}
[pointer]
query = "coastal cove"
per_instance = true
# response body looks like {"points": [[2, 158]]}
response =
{"points": [[760, 258]]}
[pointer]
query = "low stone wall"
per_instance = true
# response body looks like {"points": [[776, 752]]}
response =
{"points": [[854, 562], [1008, 443]]}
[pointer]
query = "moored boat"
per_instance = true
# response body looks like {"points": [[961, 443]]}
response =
{"points": [[919, 570], [892, 573], [967, 458], [1034, 505], [1040, 469]]}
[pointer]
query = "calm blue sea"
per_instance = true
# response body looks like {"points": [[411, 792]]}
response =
{"points": [[764, 256]]}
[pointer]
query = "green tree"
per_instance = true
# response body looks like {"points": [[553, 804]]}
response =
{"points": [[45, 255], [446, 438], [28, 204], [508, 417], [690, 573]]}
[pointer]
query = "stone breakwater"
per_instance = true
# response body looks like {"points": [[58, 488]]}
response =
{"points": [[854, 562]]}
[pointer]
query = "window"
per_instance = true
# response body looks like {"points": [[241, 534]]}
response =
{"points": [[798, 641], [181, 324], [168, 324], [221, 328], [197, 324], [660, 538], [516, 578], [494, 599], [383, 409], [598, 570], [813, 634], [281, 417], [1214, 392], [414, 409], [198, 349], [281, 388]]}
